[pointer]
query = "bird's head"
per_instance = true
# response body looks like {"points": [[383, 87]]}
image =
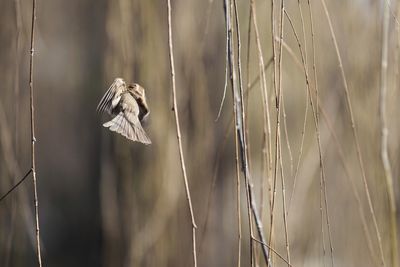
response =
{"points": [[138, 93]]}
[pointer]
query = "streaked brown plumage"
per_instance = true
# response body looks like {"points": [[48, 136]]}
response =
{"points": [[127, 103]]}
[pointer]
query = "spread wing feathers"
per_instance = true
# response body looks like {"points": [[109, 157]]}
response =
{"points": [[112, 96], [129, 126]]}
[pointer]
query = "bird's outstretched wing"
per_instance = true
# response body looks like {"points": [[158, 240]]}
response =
{"points": [[112, 97], [128, 126]]}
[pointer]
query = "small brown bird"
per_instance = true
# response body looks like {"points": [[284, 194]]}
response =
{"points": [[127, 103]]}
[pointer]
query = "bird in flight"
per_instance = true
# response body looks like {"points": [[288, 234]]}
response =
{"points": [[127, 103]]}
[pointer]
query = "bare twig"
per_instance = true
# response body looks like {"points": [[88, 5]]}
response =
{"points": [[285, 213], [351, 181], [306, 110], [274, 251], [16, 185], [237, 109], [355, 135], [178, 132], [239, 66], [278, 148], [239, 128], [342, 159], [267, 149], [33, 139], [219, 155], [384, 137], [316, 123], [226, 79]]}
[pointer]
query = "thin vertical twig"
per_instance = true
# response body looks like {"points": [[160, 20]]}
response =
{"points": [[278, 100], [306, 110], [239, 217], [219, 155], [384, 137], [316, 124], [267, 148], [354, 131], [285, 214], [239, 65], [278, 151], [342, 160], [322, 173], [238, 112], [178, 133], [274, 251], [33, 138], [239, 128]]}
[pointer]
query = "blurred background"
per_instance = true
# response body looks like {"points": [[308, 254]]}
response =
{"points": [[105, 201]]}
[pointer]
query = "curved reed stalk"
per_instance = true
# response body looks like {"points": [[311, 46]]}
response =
{"points": [[178, 132]]}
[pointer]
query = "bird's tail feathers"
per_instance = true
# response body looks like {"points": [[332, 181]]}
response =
{"points": [[131, 131]]}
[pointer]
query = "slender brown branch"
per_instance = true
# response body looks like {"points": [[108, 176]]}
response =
{"points": [[239, 66], [239, 128], [274, 251], [16, 185], [316, 124], [33, 138], [342, 159], [384, 137], [219, 155], [226, 79], [285, 213], [355, 134], [238, 112], [178, 132]]}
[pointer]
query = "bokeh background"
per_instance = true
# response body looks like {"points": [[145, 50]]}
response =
{"points": [[105, 201]]}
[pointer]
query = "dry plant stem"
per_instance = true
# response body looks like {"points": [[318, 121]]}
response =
{"points": [[285, 221], [219, 154], [238, 203], [313, 56], [178, 132], [246, 102], [33, 139], [241, 132], [238, 206], [237, 109], [342, 158], [355, 135], [16, 185], [221, 147], [226, 79], [264, 92], [353, 185], [322, 178], [298, 63], [321, 212], [303, 134], [239, 65], [306, 111], [278, 150], [280, 105], [275, 84], [384, 137], [274, 251], [285, 127], [278, 99]]}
